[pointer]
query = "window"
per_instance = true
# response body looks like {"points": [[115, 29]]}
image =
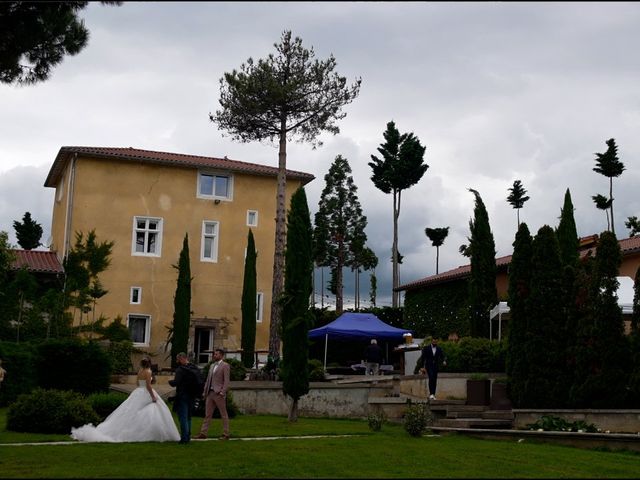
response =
{"points": [[147, 236], [136, 295], [139, 328], [259, 305], [212, 185], [209, 249], [252, 218]]}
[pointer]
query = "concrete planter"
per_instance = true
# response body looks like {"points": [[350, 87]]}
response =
{"points": [[478, 392], [499, 398]]}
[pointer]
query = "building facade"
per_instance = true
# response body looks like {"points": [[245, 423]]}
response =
{"points": [[145, 202]]}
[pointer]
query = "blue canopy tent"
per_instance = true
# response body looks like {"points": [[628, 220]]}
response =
{"points": [[357, 326]]}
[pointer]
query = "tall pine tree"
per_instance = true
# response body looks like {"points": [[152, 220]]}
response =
{"points": [[28, 233], [483, 294], [296, 313], [519, 290], [179, 333], [567, 234], [249, 292]]}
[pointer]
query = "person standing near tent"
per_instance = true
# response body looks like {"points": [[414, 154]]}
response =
{"points": [[373, 358], [432, 355]]}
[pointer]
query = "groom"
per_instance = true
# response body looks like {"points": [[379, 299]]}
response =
{"points": [[215, 394]]}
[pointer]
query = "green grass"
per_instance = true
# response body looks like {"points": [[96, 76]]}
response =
{"points": [[361, 454]]}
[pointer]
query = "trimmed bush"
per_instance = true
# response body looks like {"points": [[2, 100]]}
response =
{"points": [[50, 411], [72, 364], [105, 403], [238, 370], [119, 354], [316, 370], [376, 420], [19, 360], [416, 419]]}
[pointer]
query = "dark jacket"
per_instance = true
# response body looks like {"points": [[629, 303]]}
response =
{"points": [[431, 361], [180, 381], [373, 353]]}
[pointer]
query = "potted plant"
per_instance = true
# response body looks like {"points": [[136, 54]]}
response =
{"points": [[499, 397], [478, 389]]}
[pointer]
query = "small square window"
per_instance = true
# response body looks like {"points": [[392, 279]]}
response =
{"points": [[136, 295], [252, 218]]}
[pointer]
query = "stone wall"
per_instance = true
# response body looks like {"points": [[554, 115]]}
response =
{"points": [[619, 421]]}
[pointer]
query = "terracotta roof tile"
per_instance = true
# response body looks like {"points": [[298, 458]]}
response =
{"points": [[629, 246], [37, 261], [163, 158]]}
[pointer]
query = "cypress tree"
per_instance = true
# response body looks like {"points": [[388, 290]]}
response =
{"points": [[483, 294], [545, 386], [181, 304], [249, 292], [28, 233], [567, 234], [519, 289], [296, 313]]}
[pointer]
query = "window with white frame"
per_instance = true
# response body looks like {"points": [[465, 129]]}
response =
{"points": [[140, 328], [252, 218], [147, 236], [259, 305], [214, 185], [209, 248], [136, 295]]}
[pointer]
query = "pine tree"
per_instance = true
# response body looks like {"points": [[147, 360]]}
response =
{"points": [[179, 333], [285, 95], [249, 292], [610, 166], [603, 203], [567, 234], [340, 225], [517, 197], [545, 386], [633, 225], [520, 271], [28, 233], [483, 294], [402, 166], [296, 313], [437, 237]]}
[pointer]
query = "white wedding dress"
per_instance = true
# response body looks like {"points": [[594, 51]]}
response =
{"points": [[137, 419]]}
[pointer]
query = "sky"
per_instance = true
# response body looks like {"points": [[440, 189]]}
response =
{"points": [[496, 91]]}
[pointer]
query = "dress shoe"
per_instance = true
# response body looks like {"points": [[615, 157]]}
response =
{"points": [[200, 436], [224, 437]]}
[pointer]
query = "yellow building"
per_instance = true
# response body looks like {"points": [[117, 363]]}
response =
{"points": [[145, 202]]}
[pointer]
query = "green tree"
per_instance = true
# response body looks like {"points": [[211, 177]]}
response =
{"points": [[483, 294], [545, 386], [567, 234], [610, 166], [633, 225], [340, 223], [401, 166], [437, 237], [363, 258], [634, 341], [28, 233], [600, 378], [373, 288], [179, 333], [249, 292], [605, 204], [82, 265], [520, 271], [517, 197], [37, 35], [285, 95], [296, 313]]}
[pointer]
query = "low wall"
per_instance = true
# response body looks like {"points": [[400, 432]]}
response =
{"points": [[612, 420], [451, 386]]}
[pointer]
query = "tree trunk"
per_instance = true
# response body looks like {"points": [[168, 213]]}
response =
{"points": [[395, 278], [437, 258], [338, 278], [278, 255], [613, 229], [293, 411]]}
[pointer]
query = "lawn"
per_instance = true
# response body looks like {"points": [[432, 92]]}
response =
{"points": [[344, 449]]}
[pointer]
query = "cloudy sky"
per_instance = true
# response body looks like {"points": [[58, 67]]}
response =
{"points": [[496, 91]]}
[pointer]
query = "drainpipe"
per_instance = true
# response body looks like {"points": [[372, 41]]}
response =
{"points": [[70, 194]]}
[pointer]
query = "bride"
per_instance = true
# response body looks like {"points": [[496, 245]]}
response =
{"points": [[142, 417]]}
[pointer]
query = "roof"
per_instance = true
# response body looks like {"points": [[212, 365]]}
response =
{"points": [[628, 246], [38, 261], [163, 158]]}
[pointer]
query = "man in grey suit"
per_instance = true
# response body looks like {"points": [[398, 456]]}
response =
{"points": [[215, 394]]}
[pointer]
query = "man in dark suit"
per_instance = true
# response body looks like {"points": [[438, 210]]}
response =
{"points": [[215, 394], [432, 355], [183, 401]]}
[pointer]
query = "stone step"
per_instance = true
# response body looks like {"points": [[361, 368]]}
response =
{"points": [[472, 423], [464, 414], [499, 414], [468, 408]]}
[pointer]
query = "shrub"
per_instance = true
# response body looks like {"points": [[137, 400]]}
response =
{"points": [[19, 360], [416, 419], [316, 370], [49, 411], [119, 354], [73, 365], [557, 424], [238, 370], [105, 403], [376, 420]]}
